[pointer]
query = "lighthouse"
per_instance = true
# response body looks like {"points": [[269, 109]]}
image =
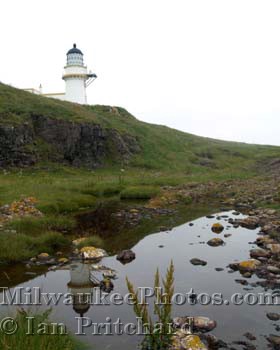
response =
{"points": [[76, 76]]}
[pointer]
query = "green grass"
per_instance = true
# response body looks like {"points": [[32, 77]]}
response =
{"points": [[57, 339], [94, 241], [15, 247], [139, 192], [37, 225]]}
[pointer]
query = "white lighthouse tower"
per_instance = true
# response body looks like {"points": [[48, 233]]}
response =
{"points": [[76, 77]]}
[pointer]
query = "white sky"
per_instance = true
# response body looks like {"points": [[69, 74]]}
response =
{"points": [[207, 67]]}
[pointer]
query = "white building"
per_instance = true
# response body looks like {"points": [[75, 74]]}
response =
{"points": [[76, 76]]}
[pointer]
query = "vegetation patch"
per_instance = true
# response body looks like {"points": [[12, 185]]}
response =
{"points": [[53, 336], [38, 225], [139, 192], [92, 241], [15, 247]]}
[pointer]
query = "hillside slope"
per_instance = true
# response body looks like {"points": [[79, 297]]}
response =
{"points": [[35, 128]]}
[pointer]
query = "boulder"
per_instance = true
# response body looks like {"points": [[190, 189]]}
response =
{"points": [[215, 242], [126, 256], [92, 253]]}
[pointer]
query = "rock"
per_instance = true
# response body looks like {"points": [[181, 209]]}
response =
{"points": [[247, 274], [193, 342], [259, 253], [249, 336], [200, 323], [249, 265], [212, 341], [204, 324], [43, 256], [251, 222], [63, 260], [273, 316], [126, 256], [196, 261], [182, 341], [226, 235], [77, 241], [215, 242], [109, 274], [274, 340], [271, 212], [52, 268], [217, 228], [243, 282], [273, 269], [219, 269], [264, 240], [92, 253], [274, 248]]}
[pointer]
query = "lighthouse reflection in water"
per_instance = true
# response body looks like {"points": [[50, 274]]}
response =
{"points": [[83, 284]]}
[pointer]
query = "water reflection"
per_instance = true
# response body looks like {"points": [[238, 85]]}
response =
{"points": [[84, 284]]}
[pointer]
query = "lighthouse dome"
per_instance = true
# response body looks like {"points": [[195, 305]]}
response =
{"points": [[75, 56], [74, 50]]}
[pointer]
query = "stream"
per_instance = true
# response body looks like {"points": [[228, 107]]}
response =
{"points": [[180, 244]]}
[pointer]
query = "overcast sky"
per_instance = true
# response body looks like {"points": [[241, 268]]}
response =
{"points": [[207, 67]]}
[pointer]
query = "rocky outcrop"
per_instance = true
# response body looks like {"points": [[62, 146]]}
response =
{"points": [[78, 144], [14, 141]]}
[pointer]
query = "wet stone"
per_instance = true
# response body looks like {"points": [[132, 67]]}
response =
{"points": [[273, 316], [196, 261]]}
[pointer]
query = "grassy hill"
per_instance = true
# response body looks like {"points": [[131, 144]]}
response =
{"points": [[160, 147]]}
